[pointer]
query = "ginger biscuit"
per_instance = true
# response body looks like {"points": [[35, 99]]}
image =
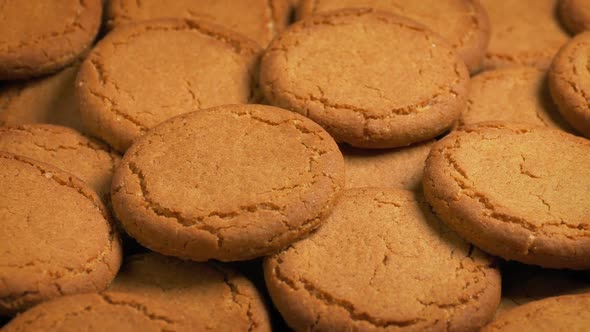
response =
{"points": [[396, 168], [43, 36], [524, 33], [575, 15], [463, 23], [91, 161], [259, 20], [383, 262], [142, 74], [569, 82], [514, 190], [56, 236], [228, 183], [357, 73], [215, 296]]}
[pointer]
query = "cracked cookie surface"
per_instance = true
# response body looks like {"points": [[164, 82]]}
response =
{"points": [[215, 296], [57, 237], [259, 20], [40, 37], [228, 183], [356, 73], [463, 23], [575, 15], [569, 82], [107, 311], [383, 262], [505, 188], [143, 74], [91, 161], [524, 33]]}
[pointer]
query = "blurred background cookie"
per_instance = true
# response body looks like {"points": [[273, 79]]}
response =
{"points": [[575, 15]]}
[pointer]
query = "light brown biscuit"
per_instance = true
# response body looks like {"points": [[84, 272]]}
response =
{"points": [[56, 236], [228, 183], [216, 297], [398, 168], [387, 264], [515, 191], [575, 15], [43, 36], [357, 73], [518, 94], [569, 82], [108, 311], [91, 161], [259, 20], [463, 23], [562, 313], [524, 32], [142, 74], [44, 100]]}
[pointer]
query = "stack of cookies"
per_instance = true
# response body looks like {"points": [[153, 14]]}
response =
{"points": [[318, 165]]}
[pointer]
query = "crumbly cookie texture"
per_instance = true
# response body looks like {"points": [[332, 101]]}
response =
{"points": [[41, 37], [217, 297], [463, 23], [505, 188], [228, 183], [382, 249], [575, 15], [569, 82], [259, 20], [57, 238], [330, 67], [143, 74], [524, 33], [91, 161]]}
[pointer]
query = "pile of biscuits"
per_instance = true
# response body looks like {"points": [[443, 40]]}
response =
{"points": [[318, 165]]}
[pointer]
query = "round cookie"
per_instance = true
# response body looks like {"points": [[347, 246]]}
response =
{"points": [[517, 94], [569, 82], [524, 32], [45, 100], [259, 20], [561, 313], [56, 236], [108, 311], [40, 37], [575, 15], [397, 168], [399, 269], [228, 183], [142, 74], [65, 148], [320, 68], [217, 298], [463, 23], [515, 191]]}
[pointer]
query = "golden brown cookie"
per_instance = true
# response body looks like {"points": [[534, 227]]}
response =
{"points": [[56, 237], [108, 311], [259, 20], [516, 191], [463, 23], [228, 183], [569, 82], [517, 94], [142, 74], [561, 313], [524, 32], [216, 297], [48, 99], [397, 168], [91, 161], [383, 262], [371, 79], [40, 37], [575, 15]]}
